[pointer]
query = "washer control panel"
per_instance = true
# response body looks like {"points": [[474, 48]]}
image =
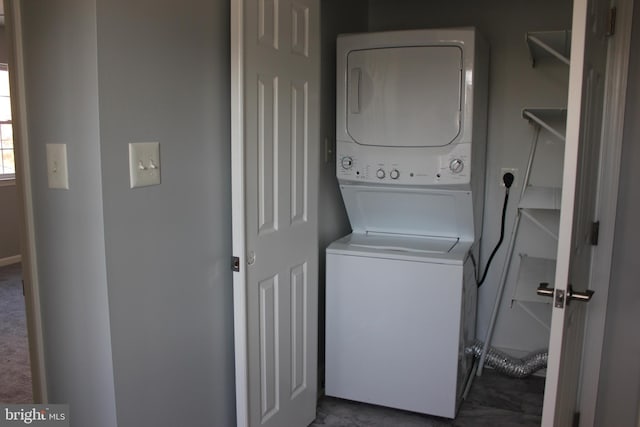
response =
{"points": [[447, 165]]}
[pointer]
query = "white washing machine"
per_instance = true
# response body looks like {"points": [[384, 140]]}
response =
{"points": [[400, 290], [397, 323]]}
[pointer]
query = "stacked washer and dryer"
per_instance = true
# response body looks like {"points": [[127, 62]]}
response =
{"points": [[401, 289]]}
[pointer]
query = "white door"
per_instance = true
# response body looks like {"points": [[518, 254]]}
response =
{"points": [[582, 150], [275, 53]]}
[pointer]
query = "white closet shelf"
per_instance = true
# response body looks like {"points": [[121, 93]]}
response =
{"points": [[539, 205], [537, 197], [532, 272], [553, 120], [545, 44], [548, 220]]}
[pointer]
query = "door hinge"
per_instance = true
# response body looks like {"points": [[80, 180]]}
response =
{"points": [[611, 22], [595, 233], [235, 264]]}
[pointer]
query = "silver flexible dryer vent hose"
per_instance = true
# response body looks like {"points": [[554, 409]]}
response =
{"points": [[508, 365]]}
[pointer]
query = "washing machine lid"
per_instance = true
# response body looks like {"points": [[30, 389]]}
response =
{"points": [[401, 243], [409, 211], [406, 248], [404, 96]]}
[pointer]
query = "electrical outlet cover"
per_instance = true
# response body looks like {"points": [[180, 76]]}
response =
{"points": [[509, 170], [144, 164]]}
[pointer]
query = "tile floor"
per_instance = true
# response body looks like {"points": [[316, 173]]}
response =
{"points": [[494, 401]]}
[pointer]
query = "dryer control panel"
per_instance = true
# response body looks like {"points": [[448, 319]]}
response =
{"points": [[386, 165]]}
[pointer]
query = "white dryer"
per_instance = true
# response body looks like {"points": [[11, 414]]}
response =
{"points": [[400, 290]]}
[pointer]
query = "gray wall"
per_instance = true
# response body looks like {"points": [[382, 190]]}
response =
{"points": [[135, 284], [164, 76], [9, 220], [62, 100], [337, 17], [4, 45], [514, 85], [619, 389]]}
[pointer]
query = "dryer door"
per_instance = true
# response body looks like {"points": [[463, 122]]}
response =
{"points": [[405, 96]]}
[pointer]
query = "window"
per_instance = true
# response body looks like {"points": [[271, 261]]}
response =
{"points": [[7, 159]]}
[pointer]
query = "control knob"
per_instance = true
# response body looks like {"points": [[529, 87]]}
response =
{"points": [[456, 165], [347, 162], [380, 173], [394, 174]]}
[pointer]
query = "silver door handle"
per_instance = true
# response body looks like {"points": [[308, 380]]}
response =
{"points": [[545, 290], [580, 296]]}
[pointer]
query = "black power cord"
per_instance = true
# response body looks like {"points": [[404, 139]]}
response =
{"points": [[507, 178]]}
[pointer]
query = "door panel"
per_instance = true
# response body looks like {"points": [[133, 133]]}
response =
{"points": [[299, 334], [299, 151], [267, 154], [582, 149], [269, 360], [275, 180], [268, 23]]}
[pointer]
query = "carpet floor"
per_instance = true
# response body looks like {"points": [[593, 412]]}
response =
{"points": [[15, 372]]}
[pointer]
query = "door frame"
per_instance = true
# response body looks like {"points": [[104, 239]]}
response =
{"points": [[13, 22], [240, 331], [606, 206]]}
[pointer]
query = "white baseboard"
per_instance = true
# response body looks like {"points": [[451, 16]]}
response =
{"points": [[10, 260]]}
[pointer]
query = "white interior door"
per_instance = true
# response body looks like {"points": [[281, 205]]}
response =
{"points": [[275, 160], [582, 150]]}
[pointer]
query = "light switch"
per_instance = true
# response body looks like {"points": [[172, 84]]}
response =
{"points": [[57, 171], [144, 164]]}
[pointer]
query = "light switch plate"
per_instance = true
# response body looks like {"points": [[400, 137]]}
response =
{"points": [[144, 164], [57, 169]]}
